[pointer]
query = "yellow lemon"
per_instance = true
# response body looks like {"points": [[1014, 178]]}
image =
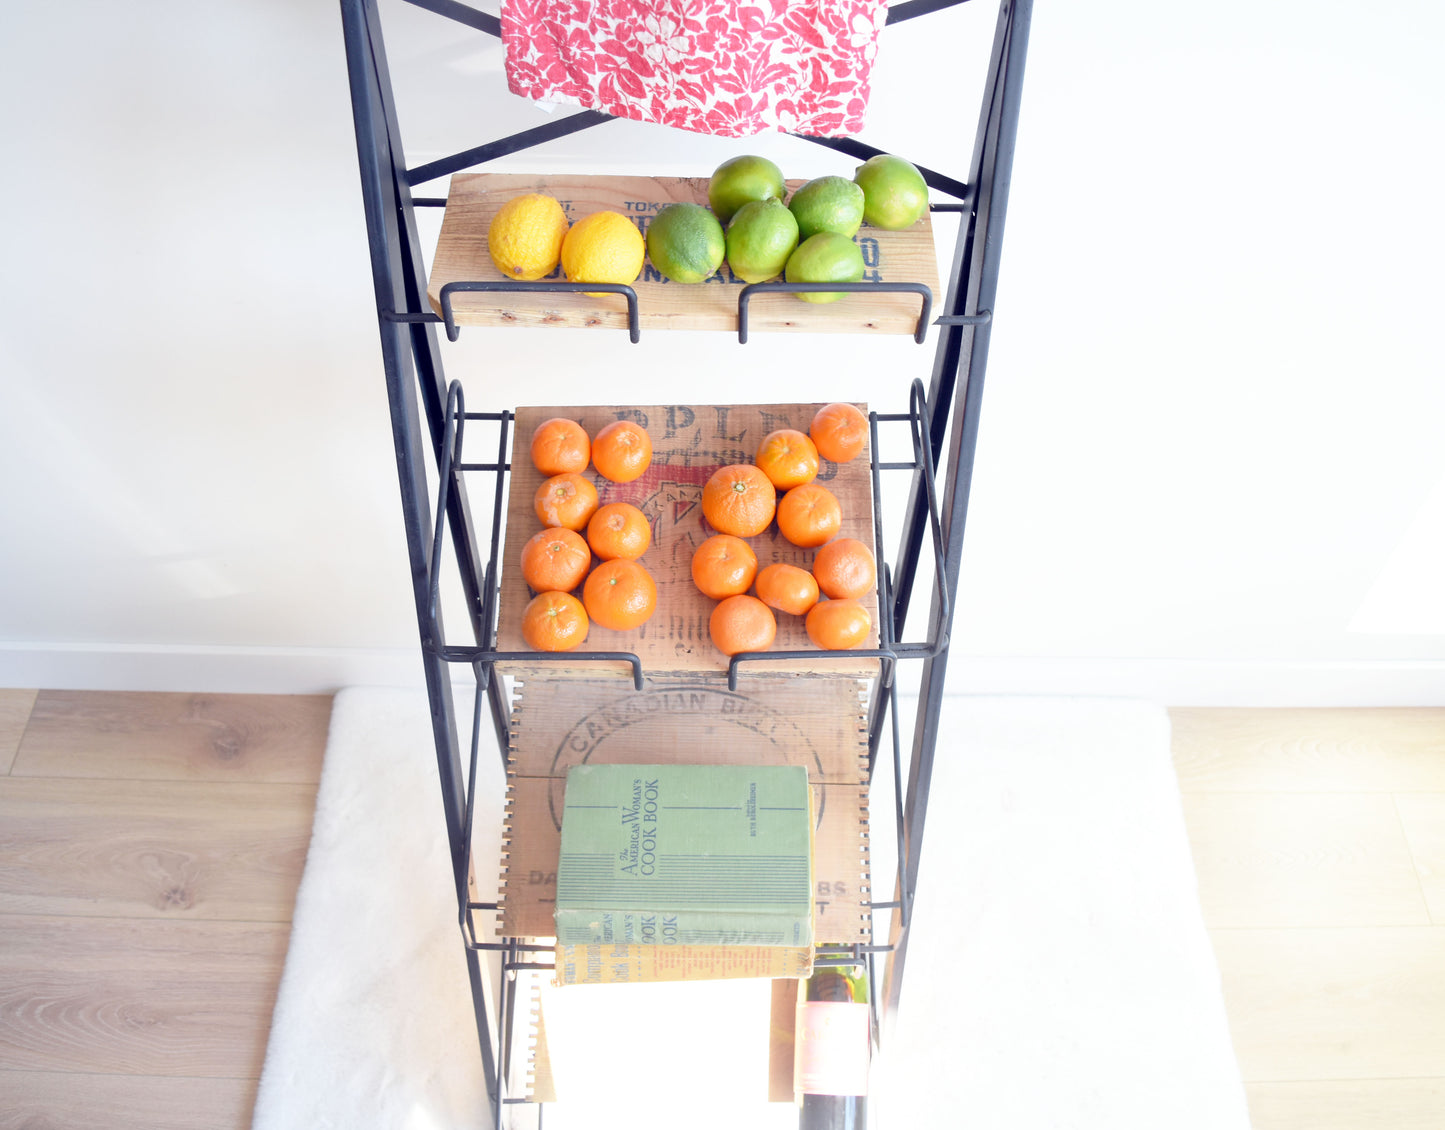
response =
{"points": [[525, 236], [605, 247]]}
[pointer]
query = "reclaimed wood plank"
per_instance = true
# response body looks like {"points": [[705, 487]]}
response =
{"points": [[819, 724], [690, 442], [474, 198]]}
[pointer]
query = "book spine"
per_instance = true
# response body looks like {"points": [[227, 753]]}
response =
{"points": [[584, 926], [623, 964]]}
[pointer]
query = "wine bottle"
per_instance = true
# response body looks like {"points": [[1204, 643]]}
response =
{"points": [[831, 1051]]}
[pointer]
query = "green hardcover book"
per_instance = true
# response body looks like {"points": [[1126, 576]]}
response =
{"points": [[697, 855]]}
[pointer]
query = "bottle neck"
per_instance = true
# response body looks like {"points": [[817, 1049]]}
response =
{"points": [[836, 985]]}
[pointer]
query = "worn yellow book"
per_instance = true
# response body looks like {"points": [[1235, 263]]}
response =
{"points": [[622, 964]]}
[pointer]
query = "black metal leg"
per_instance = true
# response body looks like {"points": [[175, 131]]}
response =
{"points": [[426, 349], [959, 328], [954, 341], [417, 395], [380, 198], [1000, 129]]}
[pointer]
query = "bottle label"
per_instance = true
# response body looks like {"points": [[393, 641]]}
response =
{"points": [[833, 1043]]}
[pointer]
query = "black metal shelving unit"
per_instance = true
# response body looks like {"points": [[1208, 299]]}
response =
{"points": [[429, 423]]}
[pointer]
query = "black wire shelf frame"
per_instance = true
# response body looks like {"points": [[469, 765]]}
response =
{"points": [[447, 317], [428, 420], [482, 657]]}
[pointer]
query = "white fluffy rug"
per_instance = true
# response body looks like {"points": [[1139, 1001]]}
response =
{"points": [[1059, 973], [373, 1025]]}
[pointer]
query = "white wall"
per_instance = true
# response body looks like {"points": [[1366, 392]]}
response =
{"points": [[1214, 400]]}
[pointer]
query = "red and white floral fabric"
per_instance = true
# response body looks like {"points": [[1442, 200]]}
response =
{"points": [[722, 67]]}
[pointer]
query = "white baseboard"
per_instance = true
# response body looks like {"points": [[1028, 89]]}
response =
{"points": [[1208, 682], [208, 670], [1169, 682]]}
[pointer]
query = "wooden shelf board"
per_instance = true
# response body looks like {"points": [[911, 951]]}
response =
{"points": [[777, 721], [474, 198], [689, 443]]}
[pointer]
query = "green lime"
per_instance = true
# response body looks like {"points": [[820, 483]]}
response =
{"points": [[760, 239], [825, 257], [685, 242], [894, 193], [828, 204], [741, 179]]}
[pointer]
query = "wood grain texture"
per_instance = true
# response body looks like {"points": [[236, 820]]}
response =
{"points": [[1423, 818], [1348, 1104], [153, 812], [819, 724], [134, 997], [1335, 1003], [689, 443], [166, 849], [1311, 859], [79, 1101], [558, 723], [474, 198], [1297, 816], [782, 1033], [542, 1086], [1310, 750], [15, 707], [1338, 1029], [184, 737]]}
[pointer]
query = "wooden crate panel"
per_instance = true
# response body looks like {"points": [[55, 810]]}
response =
{"points": [[474, 198], [689, 443], [819, 724], [533, 834], [555, 724]]}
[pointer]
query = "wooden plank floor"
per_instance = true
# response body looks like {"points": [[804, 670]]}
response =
{"points": [[150, 848], [1319, 843]]}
